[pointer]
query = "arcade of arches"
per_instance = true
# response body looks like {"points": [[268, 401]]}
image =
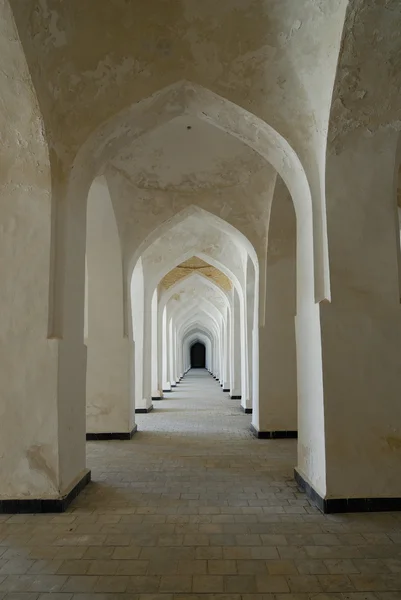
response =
{"points": [[201, 185]]}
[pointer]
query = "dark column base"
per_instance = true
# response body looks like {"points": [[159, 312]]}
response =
{"points": [[226, 389], [46, 505], [126, 435], [235, 397], [274, 435], [167, 391], [143, 411], [347, 505], [173, 385], [154, 398], [247, 411]]}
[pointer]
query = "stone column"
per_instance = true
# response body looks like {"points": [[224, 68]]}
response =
{"points": [[35, 444], [246, 400], [109, 410], [227, 347], [277, 416], [156, 359], [235, 370], [361, 328], [171, 351], [143, 404], [216, 358], [165, 352]]}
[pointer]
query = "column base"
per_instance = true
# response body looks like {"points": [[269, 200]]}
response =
{"points": [[45, 505], [144, 410], [103, 436], [274, 435], [247, 411], [346, 505], [226, 389], [235, 397]]}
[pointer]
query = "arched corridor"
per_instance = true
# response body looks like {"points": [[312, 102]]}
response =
{"points": [[200, 318]]}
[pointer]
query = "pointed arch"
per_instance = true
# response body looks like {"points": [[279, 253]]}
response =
{"points": [[186, 98]]}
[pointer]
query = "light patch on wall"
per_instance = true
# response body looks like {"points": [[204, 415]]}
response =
{"points": [[196, 265]]}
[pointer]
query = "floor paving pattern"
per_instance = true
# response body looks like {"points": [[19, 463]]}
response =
{"points": [[195, 508]]}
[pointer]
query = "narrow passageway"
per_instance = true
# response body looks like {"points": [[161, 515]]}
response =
{"points": [[195, 504], [197, 407]]}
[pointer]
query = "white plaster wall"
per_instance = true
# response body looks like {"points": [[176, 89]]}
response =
{"points": [[108, 400], [277, 347], [361, 329], [29, 445], [137, 307], [156, 390], [236, 369]]}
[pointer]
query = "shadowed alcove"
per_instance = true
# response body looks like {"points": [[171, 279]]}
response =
{"points": [[198, 356]]}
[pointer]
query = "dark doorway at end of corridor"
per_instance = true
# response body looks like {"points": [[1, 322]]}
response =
{"points": [[198, 356]]}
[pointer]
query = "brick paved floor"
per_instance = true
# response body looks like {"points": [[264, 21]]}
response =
{"points": [[195, 508]]}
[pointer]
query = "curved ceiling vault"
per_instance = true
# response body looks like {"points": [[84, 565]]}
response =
{"points": [[196, 265]]}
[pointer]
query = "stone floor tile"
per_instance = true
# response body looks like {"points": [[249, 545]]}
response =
{"points": [[281, 567], [155, 597], [51, 596], [336, 583], [265, 553], [196, 540], [271, 584], [194, 486], [248, 540], [24, 596], [125, 552], [99, 552], [240, 584], [390, 564], [132, 567], [79, 583], [70, 552], [368, 583], [166, 566], [171, 540], [309, 566], [192, 567], [74, 567], [15, 566], [208, 584], [291, 552], [304, 583], [143, 584], [167, 554], [176, 583], [250, 567], [273, 540], [326, 539], [111, 584], [45, 567], [322, 552], [338, 565], [209, 552], [358, 596], [221, 567]]}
